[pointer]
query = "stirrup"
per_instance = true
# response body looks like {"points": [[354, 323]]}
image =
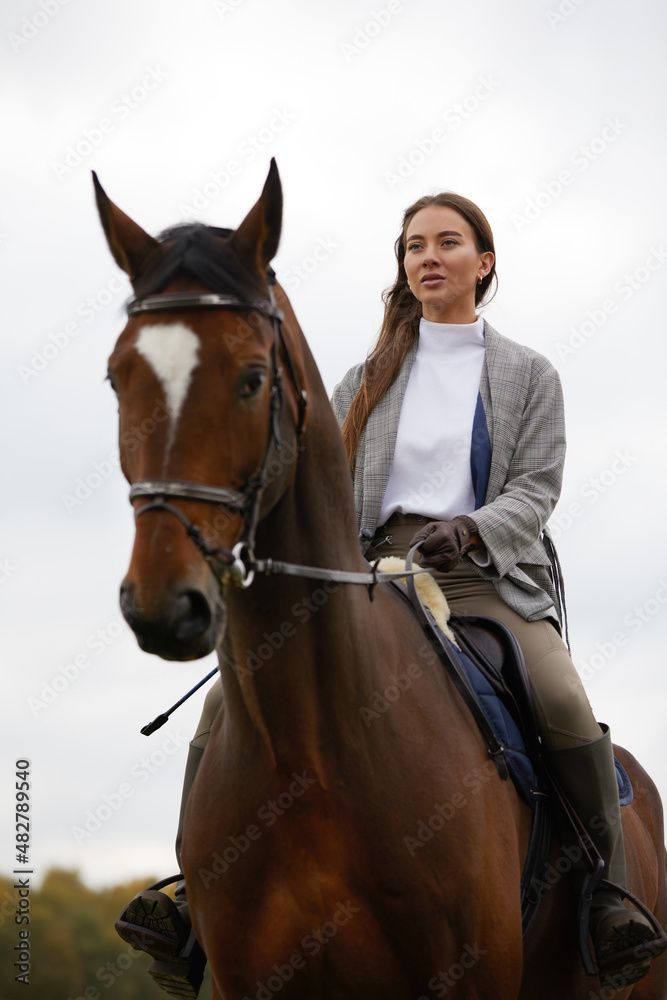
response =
{"points": [[627, 965], [182, 978], [178, 965]]}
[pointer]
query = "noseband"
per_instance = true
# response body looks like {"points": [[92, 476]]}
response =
{"points": [[245, 501]]}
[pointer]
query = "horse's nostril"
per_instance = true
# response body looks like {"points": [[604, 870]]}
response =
{"points": [[192, 615], [180, 626], [127, 605]]}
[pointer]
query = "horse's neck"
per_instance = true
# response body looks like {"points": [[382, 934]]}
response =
{"points": [[299, 644]]}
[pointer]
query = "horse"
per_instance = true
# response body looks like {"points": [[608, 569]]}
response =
{"points": [[347, 835]]}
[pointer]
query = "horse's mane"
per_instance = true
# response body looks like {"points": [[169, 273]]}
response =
{"points": [[194, 251]]}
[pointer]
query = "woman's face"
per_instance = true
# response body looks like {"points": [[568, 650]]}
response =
{"points": [[443, 264]]}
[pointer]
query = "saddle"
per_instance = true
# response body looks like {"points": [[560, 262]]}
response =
{"points": [[486, 665]]}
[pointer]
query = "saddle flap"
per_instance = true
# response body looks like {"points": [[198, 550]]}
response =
{"points": [[495, 652]]}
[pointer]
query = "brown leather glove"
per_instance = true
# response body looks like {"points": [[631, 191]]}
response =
{"points": [[444, 543]]}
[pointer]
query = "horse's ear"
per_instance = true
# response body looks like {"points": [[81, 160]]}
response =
{"points": [[128, 242], [258, 235]]}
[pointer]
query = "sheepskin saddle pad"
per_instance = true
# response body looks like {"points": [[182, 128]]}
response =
{"points": [[429, 594]]}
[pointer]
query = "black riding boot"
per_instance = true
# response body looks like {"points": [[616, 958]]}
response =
{"points": [[154, 923], [620, 935]]}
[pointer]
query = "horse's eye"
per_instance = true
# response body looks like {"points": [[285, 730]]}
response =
{"points": [[111, 379], [252, 382]]}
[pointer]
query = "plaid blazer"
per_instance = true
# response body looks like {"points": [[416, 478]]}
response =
{"points": [[523, 404]]}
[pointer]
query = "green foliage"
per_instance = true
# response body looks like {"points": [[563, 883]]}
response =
{"points": [[75, 953]]}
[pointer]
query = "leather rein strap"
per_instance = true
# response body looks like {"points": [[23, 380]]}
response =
{"points": [[239, 564]]}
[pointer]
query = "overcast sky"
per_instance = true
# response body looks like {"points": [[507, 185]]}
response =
{"points": [[549, 113]]}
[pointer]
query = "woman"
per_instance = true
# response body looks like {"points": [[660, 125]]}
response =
{"points": [[456, 439]]}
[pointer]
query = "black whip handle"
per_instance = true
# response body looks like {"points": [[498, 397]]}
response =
{"points": [[160, 720]]}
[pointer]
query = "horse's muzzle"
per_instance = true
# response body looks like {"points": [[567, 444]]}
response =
{"points": [[185, 625]]}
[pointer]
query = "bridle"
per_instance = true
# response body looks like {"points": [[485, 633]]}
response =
{"points": [[239, 564], [245, 501]]}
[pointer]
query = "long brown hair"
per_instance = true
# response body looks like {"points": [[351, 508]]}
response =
{"points": [[402, 312]]}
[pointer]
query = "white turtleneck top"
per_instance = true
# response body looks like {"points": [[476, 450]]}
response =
{"points": [[430, 474]]}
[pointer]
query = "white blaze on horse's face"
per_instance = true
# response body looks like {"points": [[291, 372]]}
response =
{"points": [[172, 351]]}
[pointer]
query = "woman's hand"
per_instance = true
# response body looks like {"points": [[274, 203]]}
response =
{"points": [[444, 543]]}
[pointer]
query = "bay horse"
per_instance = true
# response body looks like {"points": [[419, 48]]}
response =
{"points": [[346, 837]]}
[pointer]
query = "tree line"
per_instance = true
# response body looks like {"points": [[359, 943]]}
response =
{"points": [[72, 950]]}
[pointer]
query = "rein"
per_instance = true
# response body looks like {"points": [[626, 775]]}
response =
{"points": [[239, 564]]}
